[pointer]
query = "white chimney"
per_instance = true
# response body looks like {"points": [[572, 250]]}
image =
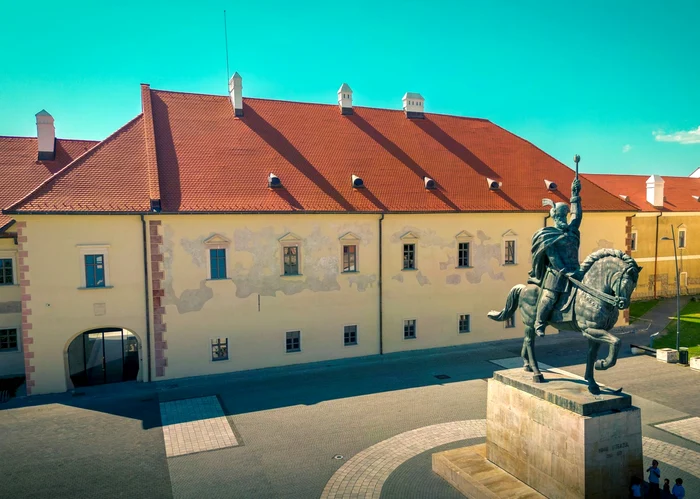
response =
{"points": [[345, 99], [235, 90], [413, 105], [46, 135], [655, 191]]}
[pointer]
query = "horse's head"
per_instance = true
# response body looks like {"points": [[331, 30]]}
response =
{"points": [[624, 283]]}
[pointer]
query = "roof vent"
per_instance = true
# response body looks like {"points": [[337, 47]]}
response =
{"points": [[155, 205], [696, 198], [345, 99], [273, 181], [655, 190], [429, 183], [494, 185], [624, 197], [552, 186], [413, 104], [46, 135], [235, 90], [357, 182]]}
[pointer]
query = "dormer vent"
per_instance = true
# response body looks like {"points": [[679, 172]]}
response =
{"points": [[494, 185], [357, 182], [429, 183], [235, 90], [655, 191], [696, 198], [345, 99], [273, 181], [413, 104], [552, 186], [625, 197], [46, 136]]}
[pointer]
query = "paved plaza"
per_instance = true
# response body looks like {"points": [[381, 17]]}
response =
{"points": [[363, 428]]}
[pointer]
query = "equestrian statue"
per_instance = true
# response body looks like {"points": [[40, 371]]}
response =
{"points": [[568, 296]]}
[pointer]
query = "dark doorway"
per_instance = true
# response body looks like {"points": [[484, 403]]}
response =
{"points": [[100, 356]]}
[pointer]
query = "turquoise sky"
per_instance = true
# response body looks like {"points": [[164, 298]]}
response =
{"points": [[617, 82]]}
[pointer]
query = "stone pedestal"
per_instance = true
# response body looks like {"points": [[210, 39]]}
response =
{"points": [[669, 355], [557, 438]]}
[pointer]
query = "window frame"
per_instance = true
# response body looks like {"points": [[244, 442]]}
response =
{"points": [[12, 256], [634, 240], [349, 239], [286, 340], [683, 277], [459, 323], [18, 339], [413, 256], [460, 264], [355, 266], [211, 261], [218, 344], [357, 340], [218, 242], [685, 238], [94, 249], [287, 241], [286, 247], [415, 329], [515, 251]]}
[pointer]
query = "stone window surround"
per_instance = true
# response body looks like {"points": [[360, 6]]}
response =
{"points": [[18, 330], [465, 237], [217, 241], [682, 228], [288, 240], [211, 349], [683, 279], [94, 249], [409, 238], [469, 323], [509, 235], [634, 239], [11, 255], [349, 239]]}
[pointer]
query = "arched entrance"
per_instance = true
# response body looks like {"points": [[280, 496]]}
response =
{"points": [[104, 355]]}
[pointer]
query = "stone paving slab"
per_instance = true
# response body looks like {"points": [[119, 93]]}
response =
{"points": [[195, 425], [688, 428]]}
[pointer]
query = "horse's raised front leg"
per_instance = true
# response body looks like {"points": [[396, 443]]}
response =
{"points": [[529, 347], [614, 344]]}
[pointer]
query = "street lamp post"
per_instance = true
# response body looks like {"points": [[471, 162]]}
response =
{"points": [[678, 289]]}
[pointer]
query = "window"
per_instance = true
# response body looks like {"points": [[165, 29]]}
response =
{"points": [[681, 238], [409, 256], [464, 323], [409, 329], [217, 263], [293, 341], [463, 255], [94, 271], [350, 258], [291, 260], [8, 340], [510, 322], [6, 271], [350, 335], [633, 241], [219, 349], [684, 279], [509, 246]]}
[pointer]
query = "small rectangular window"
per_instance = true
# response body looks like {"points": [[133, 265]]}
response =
{"points": [[217, 262], [6, 271], [510, 322], [510, 252], [681, 238], [94, 271], [291, 260], [350, 335], [293, 341], [633, 241], [350, 258], [464, 323], [8, 340], [409, 329], [684, 279], [219, 348], [463, 255], [409, 256]]}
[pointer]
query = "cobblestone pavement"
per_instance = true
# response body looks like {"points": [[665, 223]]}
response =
{"points": [[364, 475], [195, 425], [688, 428], [684, 459]]}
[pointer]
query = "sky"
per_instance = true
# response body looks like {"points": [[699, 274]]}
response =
{"points": [[615, 82]]}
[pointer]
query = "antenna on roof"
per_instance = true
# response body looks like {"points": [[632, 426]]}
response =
{"points": [[228, 73]]}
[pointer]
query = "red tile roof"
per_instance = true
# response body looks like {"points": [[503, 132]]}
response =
{"points": [[110, 177], [678, 191], [208, 160], [22, 170]]}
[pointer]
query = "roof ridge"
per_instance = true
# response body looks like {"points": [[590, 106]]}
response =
{"points": [[24, 137], [150, 139], [62, 171]]}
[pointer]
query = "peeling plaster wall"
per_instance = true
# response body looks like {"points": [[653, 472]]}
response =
{"points": [[319, 302]]}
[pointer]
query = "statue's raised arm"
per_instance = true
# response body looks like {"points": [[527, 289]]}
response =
{"points": [[576, 211]]}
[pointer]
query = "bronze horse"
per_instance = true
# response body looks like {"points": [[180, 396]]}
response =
{"points": [[609, 273]]}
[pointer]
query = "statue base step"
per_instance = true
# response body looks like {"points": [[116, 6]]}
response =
{"points": [[468, 470]]}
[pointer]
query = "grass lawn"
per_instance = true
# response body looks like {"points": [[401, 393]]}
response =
{"points": [[639, 308], [690, 330]]}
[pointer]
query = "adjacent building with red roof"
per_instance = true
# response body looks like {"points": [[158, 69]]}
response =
{"points": [[222, 233]]}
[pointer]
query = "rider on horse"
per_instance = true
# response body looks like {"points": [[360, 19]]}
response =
{"points": [[555, 255]]}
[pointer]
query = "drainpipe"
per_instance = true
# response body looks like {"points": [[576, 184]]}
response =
{"points": [[656, 250], [381, 306], [148, 300]]}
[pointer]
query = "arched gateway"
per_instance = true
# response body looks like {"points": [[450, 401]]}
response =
{"points": [[103, 355]]}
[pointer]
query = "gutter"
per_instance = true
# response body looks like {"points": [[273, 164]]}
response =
{"points": [[148, 300], [381, 305], [656, 250]]}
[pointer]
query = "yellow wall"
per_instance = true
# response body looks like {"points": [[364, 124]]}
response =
{"points": [[60, 309], [11, 363], [688, 259]]}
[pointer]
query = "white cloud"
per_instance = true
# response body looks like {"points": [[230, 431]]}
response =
{"points": [[689, 137], [626, 148]]}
